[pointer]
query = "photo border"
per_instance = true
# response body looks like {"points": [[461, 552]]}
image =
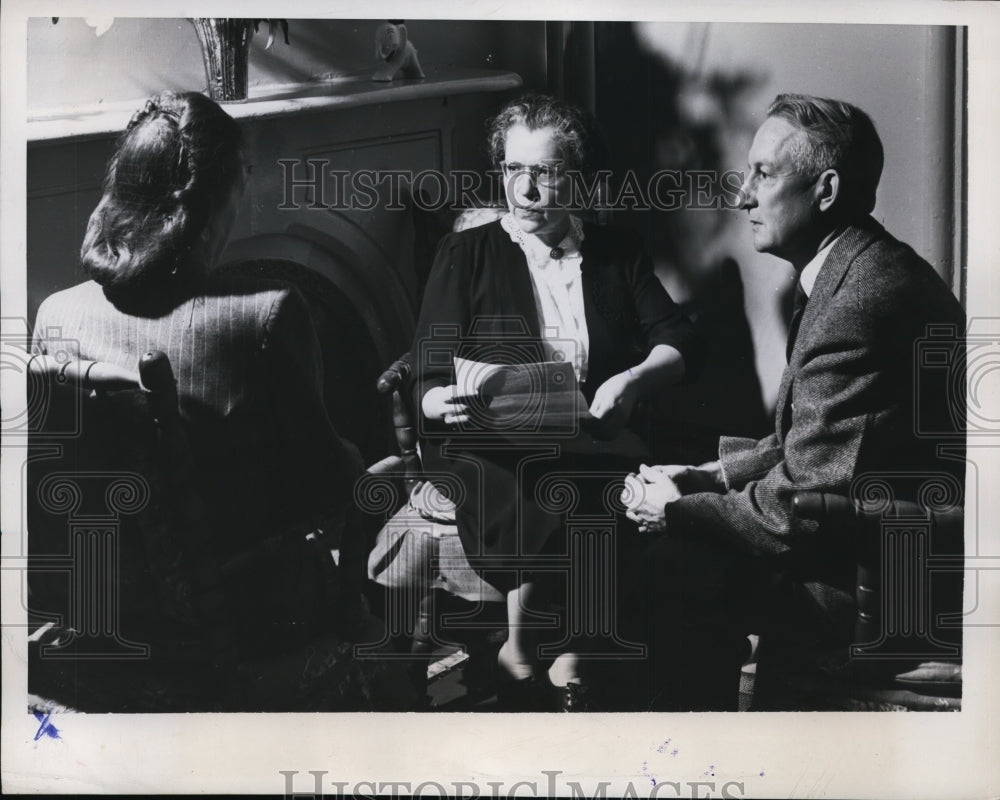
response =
{"points": [[778, 754]]}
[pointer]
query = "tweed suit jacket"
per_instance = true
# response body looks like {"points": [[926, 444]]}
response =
{"points": [[845, 407], [246, 360]]}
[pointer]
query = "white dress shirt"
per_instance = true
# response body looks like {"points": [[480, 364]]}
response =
{"points": [[808, 276]]}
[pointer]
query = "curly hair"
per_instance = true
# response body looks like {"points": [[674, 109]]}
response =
{"points": [[837, 136], [174, 166], [575, 131]]}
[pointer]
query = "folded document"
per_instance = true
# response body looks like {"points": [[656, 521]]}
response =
{"points": [[541, 396]]}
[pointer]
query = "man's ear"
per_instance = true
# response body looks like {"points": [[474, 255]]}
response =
{"points": [[827, 189]]}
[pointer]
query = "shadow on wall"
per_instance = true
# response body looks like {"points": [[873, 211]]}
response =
{"points": [[726, 398], [351, 364], [670, 117]]}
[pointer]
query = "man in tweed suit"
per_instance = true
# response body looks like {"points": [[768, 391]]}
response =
{"points": [[729, 557]]}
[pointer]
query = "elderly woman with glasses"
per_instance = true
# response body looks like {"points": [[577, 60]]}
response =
{"points": [[539, 284]]}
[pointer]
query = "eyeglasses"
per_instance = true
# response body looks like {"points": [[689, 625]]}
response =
{"points": [[542, 174]]}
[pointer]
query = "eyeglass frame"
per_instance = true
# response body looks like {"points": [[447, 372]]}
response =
{"points": [[514, 169]]}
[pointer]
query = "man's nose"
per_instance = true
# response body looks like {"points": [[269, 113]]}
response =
{"points": [[747, 195]]}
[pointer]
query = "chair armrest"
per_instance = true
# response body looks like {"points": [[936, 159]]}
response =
{"points": [[88, 374], [835, 509], [823, 507], [396, 376], [395, 380], [893, 545], [390, 465]]}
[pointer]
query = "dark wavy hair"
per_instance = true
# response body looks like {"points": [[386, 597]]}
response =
{"points": [[576, 131], [174, 167], [837, 136]]}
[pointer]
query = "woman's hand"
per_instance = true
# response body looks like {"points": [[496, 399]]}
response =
{"points": [[614, 400], [444, 404]]}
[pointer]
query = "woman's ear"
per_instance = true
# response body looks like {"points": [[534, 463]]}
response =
{"points": [[827, 189]]}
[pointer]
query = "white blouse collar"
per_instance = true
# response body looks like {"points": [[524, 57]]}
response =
{"points": [[535, 250]]}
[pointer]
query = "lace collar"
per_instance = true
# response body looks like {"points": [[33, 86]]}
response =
{"points": [[535, 250]]}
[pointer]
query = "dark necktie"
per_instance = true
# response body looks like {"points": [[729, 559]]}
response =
{"points": [[798, 307]]}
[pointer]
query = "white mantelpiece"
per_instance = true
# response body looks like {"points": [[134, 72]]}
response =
{"points": [[277, 101]]}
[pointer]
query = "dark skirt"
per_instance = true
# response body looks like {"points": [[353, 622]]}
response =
{"points": [[522, 505]]}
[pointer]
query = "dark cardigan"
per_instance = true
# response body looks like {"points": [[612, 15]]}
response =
{"points": [[479, 294]]}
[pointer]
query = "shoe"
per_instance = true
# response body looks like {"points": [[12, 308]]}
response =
{"points": [[574, 697], [526, 694]]}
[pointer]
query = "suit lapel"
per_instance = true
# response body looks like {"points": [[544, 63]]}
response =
{"points": [[849, 246]]}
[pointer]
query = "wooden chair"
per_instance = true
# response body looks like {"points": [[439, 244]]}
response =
{"points": [[130, 610], [117, 558], [438, 614], [906, 652], [435, 618]]}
